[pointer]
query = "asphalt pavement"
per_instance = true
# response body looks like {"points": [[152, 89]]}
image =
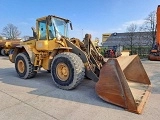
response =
{"points": [[39, 99]]}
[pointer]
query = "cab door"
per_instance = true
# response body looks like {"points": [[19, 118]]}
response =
{"points": [[42, 43], [52, 37]]}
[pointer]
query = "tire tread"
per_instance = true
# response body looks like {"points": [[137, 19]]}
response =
{"points": [[77, 65]]}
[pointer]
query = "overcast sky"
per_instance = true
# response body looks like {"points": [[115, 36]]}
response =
{"points": [[88, 16]]}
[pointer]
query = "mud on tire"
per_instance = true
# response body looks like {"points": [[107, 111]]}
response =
{"points": [[75, 69], [24, 67]]}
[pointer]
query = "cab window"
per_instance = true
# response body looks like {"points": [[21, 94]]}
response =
{"points": [[42, 30], [51, 32]]}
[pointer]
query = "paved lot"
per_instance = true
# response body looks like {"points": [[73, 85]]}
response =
{"points": [[40, 99]]}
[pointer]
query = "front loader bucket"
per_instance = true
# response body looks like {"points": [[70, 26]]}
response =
{"points": [[124, 82]]}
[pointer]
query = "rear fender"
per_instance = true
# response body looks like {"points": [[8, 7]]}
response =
{"points": [[20, 49]]}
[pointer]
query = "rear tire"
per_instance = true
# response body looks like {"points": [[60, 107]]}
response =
{"points": [[3, 52], [67, 70], [11, 51], [24, 67], [0, 51]]}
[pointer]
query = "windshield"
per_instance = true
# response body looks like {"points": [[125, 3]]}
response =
{"points": [[61, 27]]}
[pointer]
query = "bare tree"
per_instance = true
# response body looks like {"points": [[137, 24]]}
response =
{"points": [[10, 32], [140, 36], [131, 34], [150, 26], [140, 39]]}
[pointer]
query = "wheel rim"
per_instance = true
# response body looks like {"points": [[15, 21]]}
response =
{"points": [[62, 71], [21, 66]]}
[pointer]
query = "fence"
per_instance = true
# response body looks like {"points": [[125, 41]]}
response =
{"points": [[142, 51]]}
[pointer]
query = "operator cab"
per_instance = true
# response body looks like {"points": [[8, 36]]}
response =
{"points": [[49, 29]]}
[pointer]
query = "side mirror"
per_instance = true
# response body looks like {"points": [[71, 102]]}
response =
{"points": [[71, 26]]}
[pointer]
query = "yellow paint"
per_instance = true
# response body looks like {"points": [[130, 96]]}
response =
{"points": [[40, 50], [8, 44], [62, 71], [53, 44], [31, 43], [45, 63], [21, 66], [42, 45]]}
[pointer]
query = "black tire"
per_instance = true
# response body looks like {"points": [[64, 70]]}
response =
{"points": [[0, 51], [3, 52], [49, 71], [28, 71], [75, 68], [11, 51]]}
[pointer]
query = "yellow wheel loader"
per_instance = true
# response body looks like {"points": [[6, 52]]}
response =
{"points": [[121, 81], [7, 46], [2, 44]]}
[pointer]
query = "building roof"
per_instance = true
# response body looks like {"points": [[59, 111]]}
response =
{"points": [[137, 38]]}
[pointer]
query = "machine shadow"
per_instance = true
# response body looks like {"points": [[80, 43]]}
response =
{"points": [[44, 86]]}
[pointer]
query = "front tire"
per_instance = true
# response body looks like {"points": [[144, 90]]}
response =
{"points": [[24, 67], [67, 70]]}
